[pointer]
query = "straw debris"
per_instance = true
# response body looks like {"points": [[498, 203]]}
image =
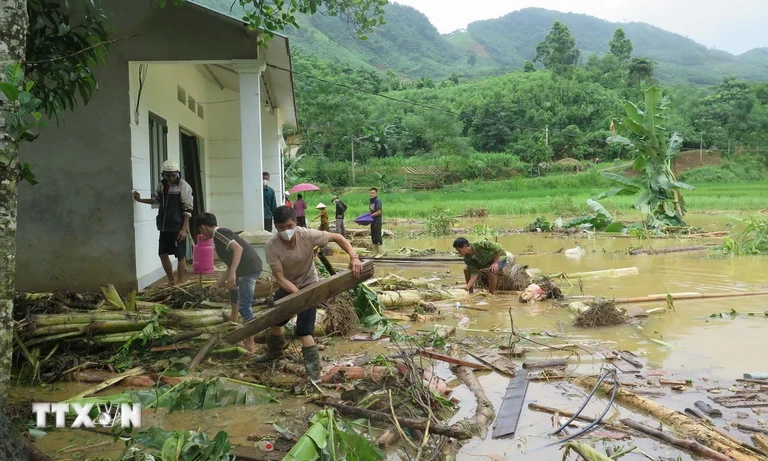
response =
{"points": [[341, 317], [602, 313]]}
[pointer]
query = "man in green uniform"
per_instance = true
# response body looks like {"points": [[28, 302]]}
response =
{"points": [[479, 256]]}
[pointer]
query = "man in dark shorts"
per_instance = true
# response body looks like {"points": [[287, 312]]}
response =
{"points": [[375, 208], [290, 255], [174, 195], [243, 269], [479, 256]]}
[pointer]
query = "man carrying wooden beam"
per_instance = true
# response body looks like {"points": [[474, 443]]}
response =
{"points": [[291, 258]]}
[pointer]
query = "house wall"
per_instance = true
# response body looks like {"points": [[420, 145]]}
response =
{"points": [[224, 163], [76, 228], [159, 96]]}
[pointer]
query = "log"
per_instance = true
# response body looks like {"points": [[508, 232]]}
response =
{"points": [[553, 363], [457, 431], [453, 360], [203, 352], [679, 421], [484, 412], [748, 428], [760, 440], [669, 250], [629, 359], [300, 301], [688, 445]]}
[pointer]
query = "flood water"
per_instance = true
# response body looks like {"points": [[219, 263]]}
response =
{"points": [[702, 347]]}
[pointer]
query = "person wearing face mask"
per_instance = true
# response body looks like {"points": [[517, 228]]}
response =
{"points": [[290, 255], [270, 203], [174, 197]]}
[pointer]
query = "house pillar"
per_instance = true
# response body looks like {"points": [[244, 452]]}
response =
{"points": [[271, 153], [251, 151]]}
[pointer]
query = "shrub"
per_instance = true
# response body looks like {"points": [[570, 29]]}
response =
{"points": [[440, 221]]}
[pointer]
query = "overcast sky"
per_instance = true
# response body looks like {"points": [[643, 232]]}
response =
{"points": [[731, 25]]}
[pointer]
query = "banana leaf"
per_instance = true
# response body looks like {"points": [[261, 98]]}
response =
{"points": [[193, 395], [159, 443], [331, 438]]}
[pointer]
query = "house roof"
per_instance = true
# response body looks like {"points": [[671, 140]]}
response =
{"points": [[277, 80]]}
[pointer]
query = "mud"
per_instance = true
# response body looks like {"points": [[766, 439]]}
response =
{"points": [[693, 345]]}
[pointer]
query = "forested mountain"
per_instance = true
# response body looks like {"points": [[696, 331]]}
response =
{"points": [[410, 46]]}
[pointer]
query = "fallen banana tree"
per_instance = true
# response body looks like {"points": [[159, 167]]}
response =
{"points": [[110, 327], [404, 298], [683, 424]]}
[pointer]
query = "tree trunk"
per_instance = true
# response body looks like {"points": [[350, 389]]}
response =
{"points": [[13, 31]]}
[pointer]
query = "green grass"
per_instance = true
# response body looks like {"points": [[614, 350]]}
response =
{"points": [[555, 195]]}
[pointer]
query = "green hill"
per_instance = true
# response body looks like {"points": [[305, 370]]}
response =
{"points": [[410, 46]]}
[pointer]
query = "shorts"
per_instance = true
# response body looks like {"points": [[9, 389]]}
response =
{"points": [[243, 295], [305, 321], [169, 246], [376, 233]]}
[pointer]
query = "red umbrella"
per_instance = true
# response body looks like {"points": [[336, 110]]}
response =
{"points": [[303, 188]]}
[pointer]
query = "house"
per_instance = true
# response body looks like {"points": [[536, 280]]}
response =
{"points": [[189, 84]]}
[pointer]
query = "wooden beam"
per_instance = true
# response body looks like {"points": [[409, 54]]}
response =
{"points": [[300, 301]]}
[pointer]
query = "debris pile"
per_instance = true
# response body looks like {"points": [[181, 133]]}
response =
{"points": [[601, 313]]}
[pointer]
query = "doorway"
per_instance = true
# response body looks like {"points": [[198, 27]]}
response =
{"points": [[192, 173]]}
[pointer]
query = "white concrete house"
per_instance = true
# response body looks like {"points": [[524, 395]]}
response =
{"points": [[192, 86]]}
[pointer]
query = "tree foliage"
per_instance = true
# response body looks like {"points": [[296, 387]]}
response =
{"points": [[620, 45], [558, 50]]}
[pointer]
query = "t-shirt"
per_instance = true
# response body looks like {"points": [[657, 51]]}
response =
{"points": [[298, 207], [249, 261], [483, 250], [298, 262], [374, 206]]}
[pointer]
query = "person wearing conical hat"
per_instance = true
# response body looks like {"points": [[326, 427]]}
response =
{"points": [[324, 223]]}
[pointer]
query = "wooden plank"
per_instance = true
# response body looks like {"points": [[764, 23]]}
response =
{"points": [[511, 407], [552, 363], [300, 301], [494, 360], [453, 360]]}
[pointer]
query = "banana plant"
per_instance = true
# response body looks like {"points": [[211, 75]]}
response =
{"points": [[660, 200]]}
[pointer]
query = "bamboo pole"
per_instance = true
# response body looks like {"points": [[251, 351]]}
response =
{"points": [[670, 250], [675, 297]]}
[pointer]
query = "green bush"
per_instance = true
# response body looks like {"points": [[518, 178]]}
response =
{"points": [[741, 168], [440, 221]]}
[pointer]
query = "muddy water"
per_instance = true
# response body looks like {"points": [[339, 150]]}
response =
{"points": [[701, 347]]}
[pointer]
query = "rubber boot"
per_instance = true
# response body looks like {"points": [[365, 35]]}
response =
{"points": [[379, 253], [311, 362], [275, 346]]}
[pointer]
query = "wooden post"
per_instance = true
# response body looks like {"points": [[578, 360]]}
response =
{"points": [[300, 301]]}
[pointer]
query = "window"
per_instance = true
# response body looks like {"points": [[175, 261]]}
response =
{"points": [[191, 103], [200, 111], [181, 94], [158, 148]]}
